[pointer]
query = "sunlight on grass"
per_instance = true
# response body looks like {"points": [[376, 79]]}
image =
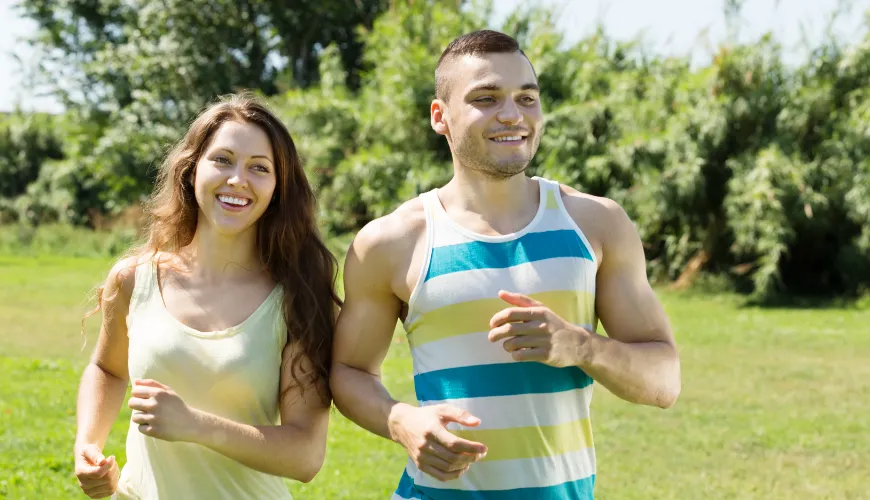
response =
{"points": [[774, 402]]}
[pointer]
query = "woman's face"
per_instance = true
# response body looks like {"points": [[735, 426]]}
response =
{"points": [[235, 178]]}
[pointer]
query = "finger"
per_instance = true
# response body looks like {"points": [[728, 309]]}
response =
{"points": [[439, 474], [438, 450], [457, 444], [541, 354], [525, 342], [518, 299], [140, 404], [93, 455], [506, 330], [449, 413], [142, 418], [438, 463], [145, 391], [146, 429], [512, 315], [98, 474], [147, 382]]}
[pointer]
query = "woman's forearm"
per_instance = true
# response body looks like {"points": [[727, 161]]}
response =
{"points": [[99, 400], [285, 450]]}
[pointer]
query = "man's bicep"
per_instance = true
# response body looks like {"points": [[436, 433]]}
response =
{"points": [[626, 304], [368, 317]]}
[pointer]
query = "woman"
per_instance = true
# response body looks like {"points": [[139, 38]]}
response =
{"points": [[223, 321]]}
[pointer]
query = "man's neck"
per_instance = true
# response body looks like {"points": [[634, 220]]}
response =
{"points": [[504, 205]]}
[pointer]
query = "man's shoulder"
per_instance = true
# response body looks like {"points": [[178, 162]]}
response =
{"points": [[394, 233], [591, 209]]}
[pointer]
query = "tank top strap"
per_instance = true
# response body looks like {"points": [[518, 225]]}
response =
{"points": [[145, 283]]}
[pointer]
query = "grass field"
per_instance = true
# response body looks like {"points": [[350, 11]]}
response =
{"points": [[775, 402]]}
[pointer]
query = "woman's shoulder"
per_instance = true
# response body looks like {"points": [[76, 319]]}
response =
{"points": [[121, 282]]}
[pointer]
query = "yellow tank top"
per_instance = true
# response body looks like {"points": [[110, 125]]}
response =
{"points": [[233, 373]]}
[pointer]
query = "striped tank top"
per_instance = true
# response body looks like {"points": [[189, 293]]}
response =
{"points": [[534, 418]]}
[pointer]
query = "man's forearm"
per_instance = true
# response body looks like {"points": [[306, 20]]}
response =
{"points": [[644, 372], [361, 397]]}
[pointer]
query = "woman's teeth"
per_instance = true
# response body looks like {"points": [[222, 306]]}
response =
{"points": [[231, 200]]}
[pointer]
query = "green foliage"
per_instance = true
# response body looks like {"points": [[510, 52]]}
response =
{"points": [[746, 169], [26, 143], [135, 73], [754, 170], [61, 240]]}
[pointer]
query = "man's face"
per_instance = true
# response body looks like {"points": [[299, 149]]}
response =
{"points": [[493, 113]]}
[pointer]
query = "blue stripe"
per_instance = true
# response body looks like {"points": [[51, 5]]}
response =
{"points": [[581, 489], [407, 488], [504, 379], [530, 247]]}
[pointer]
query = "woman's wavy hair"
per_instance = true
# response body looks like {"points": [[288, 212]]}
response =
{"points": [[288, 240]]}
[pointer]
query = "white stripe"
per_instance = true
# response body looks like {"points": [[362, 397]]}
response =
{"points": [[397, 497], [446, 235], [519, 473], [472, 349], [524, 410], [563, 273]]}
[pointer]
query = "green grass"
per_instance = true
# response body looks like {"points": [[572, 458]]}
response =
{"points": [[774, 402]]}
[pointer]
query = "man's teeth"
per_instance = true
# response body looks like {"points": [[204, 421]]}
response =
{"points": [[509, 138], [241, 202]]}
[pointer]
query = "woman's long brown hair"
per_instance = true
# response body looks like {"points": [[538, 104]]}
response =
{"points": [[288, 239]]}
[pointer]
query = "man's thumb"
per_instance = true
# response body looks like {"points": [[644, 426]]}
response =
{"points": [[454, 414]]}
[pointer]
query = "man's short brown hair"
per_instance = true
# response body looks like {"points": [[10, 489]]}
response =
{"points": [[474, 43]]}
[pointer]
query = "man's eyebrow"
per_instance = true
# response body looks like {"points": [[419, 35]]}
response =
{"points": [[485, 87], [490, 87]]}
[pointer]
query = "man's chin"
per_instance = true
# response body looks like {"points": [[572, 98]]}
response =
{"points": [[505, 172]]}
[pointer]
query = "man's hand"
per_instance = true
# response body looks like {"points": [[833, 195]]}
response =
{"points": [[435, 450], [161, 413], [97, 475], [535, 333]]}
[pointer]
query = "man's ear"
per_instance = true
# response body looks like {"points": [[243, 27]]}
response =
{"points": [[438, 117]]}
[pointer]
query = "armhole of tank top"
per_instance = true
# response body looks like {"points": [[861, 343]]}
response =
{"points": [[557, 193], [430, 239], [282, 335]]}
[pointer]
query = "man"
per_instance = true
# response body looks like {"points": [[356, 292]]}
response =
{"points": [[500, 280]]}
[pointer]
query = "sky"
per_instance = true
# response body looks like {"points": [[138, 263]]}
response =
{"points": [[671, 27]]}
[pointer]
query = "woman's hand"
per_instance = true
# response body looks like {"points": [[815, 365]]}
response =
{"points": [[97, 475], [161, 413]]}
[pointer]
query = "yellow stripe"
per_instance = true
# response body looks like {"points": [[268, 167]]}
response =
{"points": [[474, 315], [551, 200], [531, 442]]}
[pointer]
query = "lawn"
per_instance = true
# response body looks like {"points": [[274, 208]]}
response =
{"points": [[774, 402]]}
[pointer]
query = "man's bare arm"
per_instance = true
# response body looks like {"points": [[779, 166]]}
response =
{"points": [[362, 339], [638, 360], [363, 333]]}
